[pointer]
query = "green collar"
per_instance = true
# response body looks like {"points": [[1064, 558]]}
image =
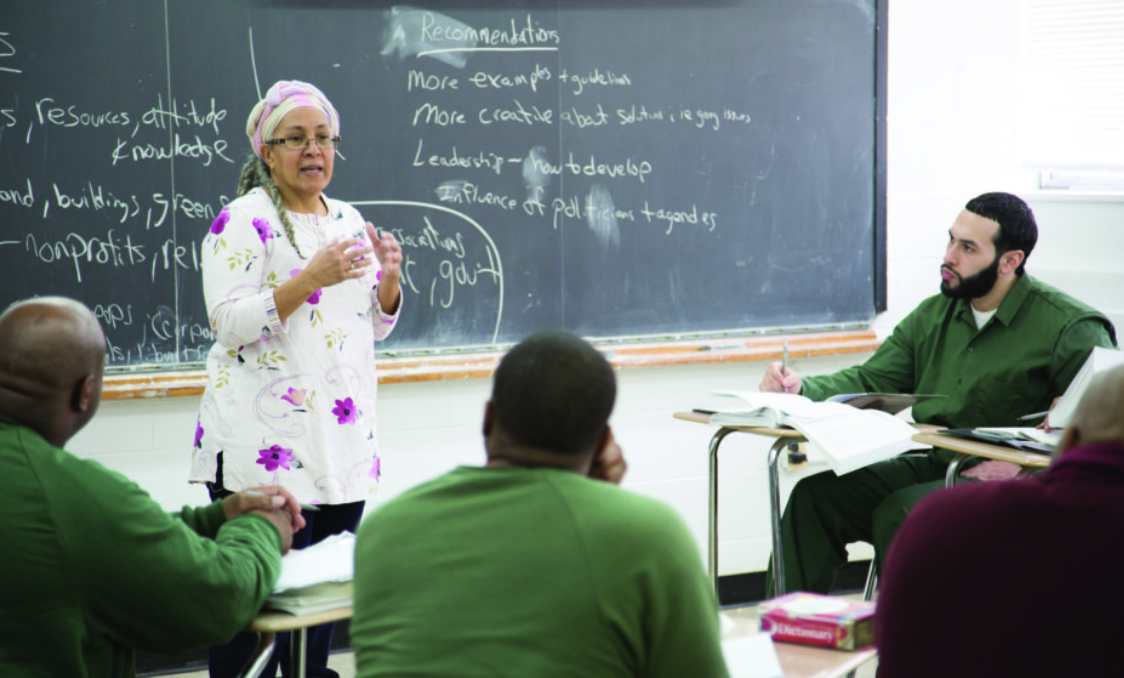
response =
{"points": [[1008, 308]]}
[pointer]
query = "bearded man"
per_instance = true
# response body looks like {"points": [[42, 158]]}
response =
{"points": [[997, 343]]}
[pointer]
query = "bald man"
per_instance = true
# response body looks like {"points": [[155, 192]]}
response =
{"points": [[1017, 577], [91, 567]]}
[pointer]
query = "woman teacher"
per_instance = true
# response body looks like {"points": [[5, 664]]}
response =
{"points": [[298, 290]]}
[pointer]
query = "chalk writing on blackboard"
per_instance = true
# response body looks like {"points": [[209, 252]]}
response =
{"points": [[625, 172]]}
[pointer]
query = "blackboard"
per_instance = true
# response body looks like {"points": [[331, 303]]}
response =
{"points": [[621, 169]]}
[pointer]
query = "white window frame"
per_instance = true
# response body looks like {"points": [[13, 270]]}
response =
{"points": [[1071, 93]]}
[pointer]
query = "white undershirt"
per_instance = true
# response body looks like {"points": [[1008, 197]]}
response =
{"points": [[982, 316]]}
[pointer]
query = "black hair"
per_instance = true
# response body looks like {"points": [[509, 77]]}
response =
{"points": [[1017, 227], [555, 392]]}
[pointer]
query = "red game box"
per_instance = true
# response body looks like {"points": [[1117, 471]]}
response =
{"points": [[815, 619]]}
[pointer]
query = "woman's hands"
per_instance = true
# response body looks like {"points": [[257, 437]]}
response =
{"points": [[332, 264], [389, 254], [347, 259]]}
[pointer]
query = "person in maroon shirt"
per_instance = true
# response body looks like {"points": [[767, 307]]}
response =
{"points": [[1016, 577]]}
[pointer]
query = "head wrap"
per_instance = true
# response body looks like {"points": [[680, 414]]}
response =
{"points": [[283, 97]]}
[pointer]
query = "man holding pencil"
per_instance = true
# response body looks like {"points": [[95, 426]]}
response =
{"points": [[996, 342]]}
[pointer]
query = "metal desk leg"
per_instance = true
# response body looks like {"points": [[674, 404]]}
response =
{"points": [[774, 508], [712, 518], [298, 645], [266, 643], [775, 511], [953, 472]]}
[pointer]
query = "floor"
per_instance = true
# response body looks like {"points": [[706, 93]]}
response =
{"points": [[344, 662]]}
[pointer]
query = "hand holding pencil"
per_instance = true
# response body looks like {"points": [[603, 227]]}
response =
{"points": [[779, 378]]}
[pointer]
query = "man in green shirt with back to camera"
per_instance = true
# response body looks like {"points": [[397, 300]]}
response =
{"points": [[536, 564], [998, 343], [92, 568]]}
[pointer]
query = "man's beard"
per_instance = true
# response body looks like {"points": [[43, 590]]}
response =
{"points": [[972, 287]]}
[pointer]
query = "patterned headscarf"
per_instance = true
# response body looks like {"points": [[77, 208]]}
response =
{"points": [[283, 97]]}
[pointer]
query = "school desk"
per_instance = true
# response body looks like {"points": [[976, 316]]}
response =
{"points": [[271, 622]]}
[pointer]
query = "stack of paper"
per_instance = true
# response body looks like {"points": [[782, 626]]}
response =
{"points": [[316, 578], [751, 656], [312, 599], [846, 437]]}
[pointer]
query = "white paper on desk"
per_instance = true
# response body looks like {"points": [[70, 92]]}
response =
{"points": [[751, 656], [332, 559]]}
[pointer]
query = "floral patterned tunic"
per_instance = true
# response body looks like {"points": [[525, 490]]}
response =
{"points": [[291, 403]]}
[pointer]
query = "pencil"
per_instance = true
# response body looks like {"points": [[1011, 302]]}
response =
{"points": [[784, 359]]}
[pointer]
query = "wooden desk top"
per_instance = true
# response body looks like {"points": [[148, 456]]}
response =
{"points": [[700, 418], [981, 449], [274, 621]]}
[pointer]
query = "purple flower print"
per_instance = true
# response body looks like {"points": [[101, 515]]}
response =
{"points": [[315, 298], [220, 222], [295, 396], [274, 457], [376, 469], [345, 412], [198, 433], [265, 232]]}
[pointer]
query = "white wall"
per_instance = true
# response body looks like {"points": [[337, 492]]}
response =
{"points": [[951, 128]]}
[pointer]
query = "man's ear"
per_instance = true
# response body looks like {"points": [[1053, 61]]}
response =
{"points": [[84, 394], [1010, 261]]}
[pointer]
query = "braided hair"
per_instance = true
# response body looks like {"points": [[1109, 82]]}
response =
{"points": [[256, 173]]}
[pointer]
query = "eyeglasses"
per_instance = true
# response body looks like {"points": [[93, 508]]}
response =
{"points": [[298, 142]]}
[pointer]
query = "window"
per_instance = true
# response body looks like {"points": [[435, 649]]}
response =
{"points": [[1071, 92]]}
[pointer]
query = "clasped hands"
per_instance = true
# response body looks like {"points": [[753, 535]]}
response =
{"points": [[273, 503]]}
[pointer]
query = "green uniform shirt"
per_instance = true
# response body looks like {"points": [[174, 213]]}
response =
{"points": [[93, 568], [1022, 358], [518, 572]]}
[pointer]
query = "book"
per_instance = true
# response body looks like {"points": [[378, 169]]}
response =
{"points": [[311, 599], [891, 403], [316, 578], [846, 437], [1051, 437], [1099, 360], [999, 436], [817, 619]]}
